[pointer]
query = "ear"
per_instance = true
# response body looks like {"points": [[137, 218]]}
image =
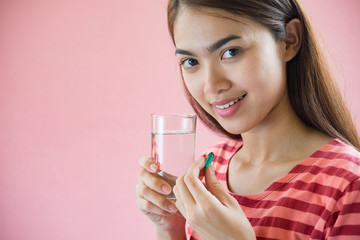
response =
{"points": [[293, 38]]}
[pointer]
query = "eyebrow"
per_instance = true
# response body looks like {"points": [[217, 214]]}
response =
{"points": [[213, 47]]}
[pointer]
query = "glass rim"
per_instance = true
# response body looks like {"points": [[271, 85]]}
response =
{"points": [[169, 115]]}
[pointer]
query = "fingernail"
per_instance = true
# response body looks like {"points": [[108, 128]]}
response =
{"points": [[166, 189], [172, 208], [153, 167]]}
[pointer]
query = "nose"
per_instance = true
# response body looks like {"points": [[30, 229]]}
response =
{"points": [[215, 80]]}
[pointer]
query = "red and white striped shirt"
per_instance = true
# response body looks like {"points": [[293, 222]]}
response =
{"points": [[318, 199]]}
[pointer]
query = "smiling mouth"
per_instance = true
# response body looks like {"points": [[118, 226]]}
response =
{"points": [[225, 106]]}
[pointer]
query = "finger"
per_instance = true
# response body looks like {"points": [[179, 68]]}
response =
{"points": [[154, 182], [148, 207], [184, 192], [179, 202], [193, 183], [214, 186], [148, 164], [184, 200], [159, 200], [197, 168]]}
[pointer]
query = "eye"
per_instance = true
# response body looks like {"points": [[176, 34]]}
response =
{"points": [[188, 63], [230, 53]]}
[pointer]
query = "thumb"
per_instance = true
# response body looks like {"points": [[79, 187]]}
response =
{"points": [[215, 188]]}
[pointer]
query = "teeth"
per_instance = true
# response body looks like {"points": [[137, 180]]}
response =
{"points": [[229, 104]]}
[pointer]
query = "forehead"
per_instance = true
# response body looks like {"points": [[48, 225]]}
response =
{"points": [[207, 25]]}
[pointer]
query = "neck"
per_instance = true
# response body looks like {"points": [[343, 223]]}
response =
{"points": [[282, 136]]}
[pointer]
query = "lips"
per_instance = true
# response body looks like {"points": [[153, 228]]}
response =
{"points": [[228, 104], [228, 107]]}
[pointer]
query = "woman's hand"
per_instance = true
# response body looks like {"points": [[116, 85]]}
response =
{"points": [[210, 211], [151, 201]]}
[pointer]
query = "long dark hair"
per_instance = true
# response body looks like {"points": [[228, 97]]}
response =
{"points": [[312, 90]]}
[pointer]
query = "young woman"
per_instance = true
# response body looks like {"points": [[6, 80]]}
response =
{"points": [[253, 71]]}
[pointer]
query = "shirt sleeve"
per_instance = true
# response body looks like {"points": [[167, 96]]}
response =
{"points": [[344, 221]]}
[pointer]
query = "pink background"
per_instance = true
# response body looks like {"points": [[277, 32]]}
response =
{"points": [[78, 82]]}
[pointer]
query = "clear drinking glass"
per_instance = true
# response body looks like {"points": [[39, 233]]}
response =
{"points": [[173, 145]]}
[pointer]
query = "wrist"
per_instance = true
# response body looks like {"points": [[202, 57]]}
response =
{"points": [[174, 231], [171, 234]]}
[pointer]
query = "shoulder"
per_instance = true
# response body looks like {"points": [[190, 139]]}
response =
{"points": [[339, 154], [344, 218], [338, 149], [339, 163]]}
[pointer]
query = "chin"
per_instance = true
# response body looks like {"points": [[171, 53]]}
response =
{"points": [[236, 127], [235, 130]]}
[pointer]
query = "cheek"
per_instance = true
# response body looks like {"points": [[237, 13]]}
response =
{"points": [[267, 73], [193, 85], [196, 89]]}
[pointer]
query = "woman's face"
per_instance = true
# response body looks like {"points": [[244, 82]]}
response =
{"points": [[232, 66]]}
